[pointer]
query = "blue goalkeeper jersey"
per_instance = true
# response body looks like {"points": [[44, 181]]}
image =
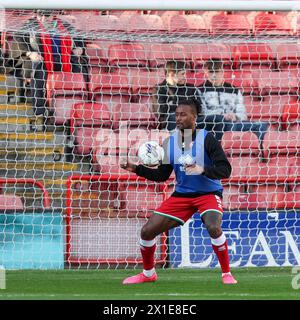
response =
{"points": [[178, 157]]}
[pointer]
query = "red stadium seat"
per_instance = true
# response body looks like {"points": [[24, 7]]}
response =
{"points": [[108, 88], [103, 23], [196, 24], [201, 52], [142, 23], [63, 90], [259, 197], [288, 56], [268, 109], [127, 54], [243, 80], [95, 54], [240, 143], [91, 114], [253, 55], [271, 24], [281, 142], [107, 164], [290, 199], [271, 82], [290, 115], [134, 114], [240, 164], [275, 168], [140, 199], [10, 202], [143, 84], [159, 54], [174, 22], [236, 24]]}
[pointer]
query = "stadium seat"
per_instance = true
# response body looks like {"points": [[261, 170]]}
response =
{"points": [[91, 114], [277, 168], [134, 114], [268, 109], [259, 197], [201, 52], [107, 164], [239, 164], [281, 142], [89, 138], [290, 199], [103, 23], [143, 84], [63, 90], [288, 56], [240, 143], [127, 55], [231, 24], [140, 199], [10, 202], [243, 80], [253, 56], [159, 54], [290, 115], [96, 55], [271, 24], [174, 22], [110, 87], [272, 82], [196, 24]]}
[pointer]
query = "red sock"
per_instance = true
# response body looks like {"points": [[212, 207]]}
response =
{"points": [[221, 250], [147, 251]]}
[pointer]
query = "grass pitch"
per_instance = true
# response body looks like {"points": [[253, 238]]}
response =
{"points": [[172, 284]]}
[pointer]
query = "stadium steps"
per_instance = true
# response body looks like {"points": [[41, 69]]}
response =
{"points": [[45, 153]]}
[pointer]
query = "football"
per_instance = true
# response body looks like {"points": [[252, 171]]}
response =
{"points": [[150, 153]]}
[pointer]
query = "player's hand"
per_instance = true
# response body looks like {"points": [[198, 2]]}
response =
{"points": [[230, 116], [127, 165], [193, 169], [78, 51], [35, 57]]}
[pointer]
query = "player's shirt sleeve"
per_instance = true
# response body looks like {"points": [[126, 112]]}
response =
{"points": [[161, 173], [221, 168]]}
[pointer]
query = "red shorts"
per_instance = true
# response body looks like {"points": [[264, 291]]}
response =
{"points": [[181, 209]]}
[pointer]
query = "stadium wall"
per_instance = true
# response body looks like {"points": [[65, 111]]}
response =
{"points": [[258, 238], [32, 241]]}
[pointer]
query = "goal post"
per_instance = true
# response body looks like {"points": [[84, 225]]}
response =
{"points": [[95, 84]]}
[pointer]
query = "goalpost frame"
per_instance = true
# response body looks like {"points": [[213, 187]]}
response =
{"points": [[216, 5]]}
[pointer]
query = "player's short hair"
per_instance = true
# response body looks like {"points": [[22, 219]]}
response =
{"points": [[192, 103], [213, 64], [174, 66]]}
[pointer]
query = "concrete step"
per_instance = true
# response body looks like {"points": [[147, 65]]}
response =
{"points": [[32, 154], [11, 140], [45, 173], [46, 166], [16, 110]]}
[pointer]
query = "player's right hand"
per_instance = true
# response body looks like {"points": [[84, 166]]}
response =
{"points": [[126, 165]]}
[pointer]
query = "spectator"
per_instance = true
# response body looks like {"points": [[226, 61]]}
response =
{"points": [[171, 91], [43, 45], [223, 105]]}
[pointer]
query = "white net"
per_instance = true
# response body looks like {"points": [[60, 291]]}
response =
{"points": [[82, 89]]}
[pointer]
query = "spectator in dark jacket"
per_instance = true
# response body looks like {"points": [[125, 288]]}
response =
{"points": [[44, 45], [223, 105], [173, 89]]}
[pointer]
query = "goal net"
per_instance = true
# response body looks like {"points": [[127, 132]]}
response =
{"points": [[80, 89]]}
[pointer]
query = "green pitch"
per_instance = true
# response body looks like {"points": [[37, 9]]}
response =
{"points": [[254, 283]]}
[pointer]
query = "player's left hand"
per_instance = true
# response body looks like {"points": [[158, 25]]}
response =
{"points": [[193, 169], [78, 51]]}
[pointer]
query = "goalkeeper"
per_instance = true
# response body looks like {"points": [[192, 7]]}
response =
{"points": [[199, 163]]}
